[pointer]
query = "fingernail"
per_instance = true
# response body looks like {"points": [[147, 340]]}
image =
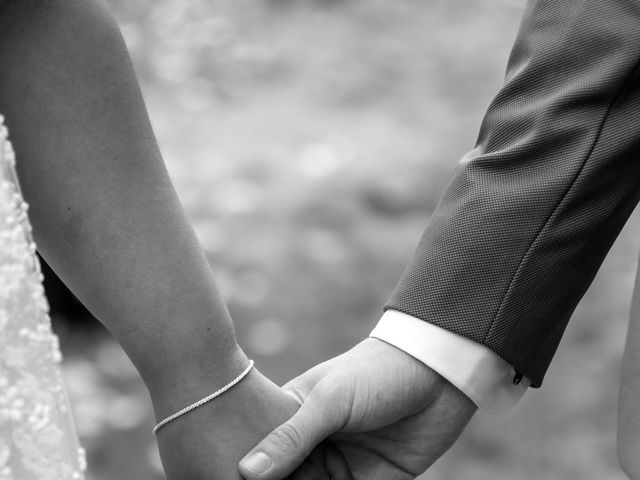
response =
{"points": [[257, 463]]}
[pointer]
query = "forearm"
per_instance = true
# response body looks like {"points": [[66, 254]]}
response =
{"points": [[105, 214], [629, 399]]}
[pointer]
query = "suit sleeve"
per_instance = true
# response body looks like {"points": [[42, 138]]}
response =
{"points": [[533, 209]]}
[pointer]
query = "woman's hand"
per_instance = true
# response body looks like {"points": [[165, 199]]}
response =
{"points": [[208, 442]]}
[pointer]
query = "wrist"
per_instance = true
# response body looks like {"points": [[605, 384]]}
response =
{"points": [[209, 441], [194, 380], [178, 372], [403, 369]]}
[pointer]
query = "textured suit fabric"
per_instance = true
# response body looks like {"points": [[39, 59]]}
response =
{"points": [[532, 211]]}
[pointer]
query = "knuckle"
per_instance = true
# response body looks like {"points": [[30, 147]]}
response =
{"points": [[286, 436]]}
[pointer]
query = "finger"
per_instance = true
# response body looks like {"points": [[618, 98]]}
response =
{"points": [[322, 414], [310, 469], [325, 460], [369, 465], [335, 462]]}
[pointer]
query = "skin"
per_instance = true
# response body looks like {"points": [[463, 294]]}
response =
{"points": [[107, 219], [386, 416], [629, 399]]}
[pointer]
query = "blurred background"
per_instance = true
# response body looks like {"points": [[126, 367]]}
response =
{"points": [[309, 141]]}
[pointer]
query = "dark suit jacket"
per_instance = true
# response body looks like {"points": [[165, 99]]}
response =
{"points": [[525, 223]]}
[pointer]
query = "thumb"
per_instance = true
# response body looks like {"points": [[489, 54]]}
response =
{"points": [[286, 447]]}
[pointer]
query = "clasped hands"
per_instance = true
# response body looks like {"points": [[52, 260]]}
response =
{"points": [[372, 413]]}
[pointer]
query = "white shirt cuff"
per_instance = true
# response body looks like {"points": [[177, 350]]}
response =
{"points": [[474, 369]]}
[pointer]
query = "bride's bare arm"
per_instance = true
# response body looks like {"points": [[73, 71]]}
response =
{"points": [[629, 400], [104, 211], [107, 219]]}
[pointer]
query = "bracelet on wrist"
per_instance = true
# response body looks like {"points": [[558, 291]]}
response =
{"points": [[204, 400]]}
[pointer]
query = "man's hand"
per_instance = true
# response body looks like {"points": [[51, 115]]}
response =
{"points": [[387, 417]]}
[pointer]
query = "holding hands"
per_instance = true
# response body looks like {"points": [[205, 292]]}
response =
{"points": [[517, 216], [387, 416], [372, 413]]}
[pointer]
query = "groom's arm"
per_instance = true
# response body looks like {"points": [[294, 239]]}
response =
{"points": [[532, 211]]}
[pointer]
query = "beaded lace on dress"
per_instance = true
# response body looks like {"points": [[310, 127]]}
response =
{"points": [[37, 436]]}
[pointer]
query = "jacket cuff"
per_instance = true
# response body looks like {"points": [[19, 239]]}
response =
{"points": [[474, 369]]}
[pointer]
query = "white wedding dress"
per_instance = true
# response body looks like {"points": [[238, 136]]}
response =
{"points": [[37, 436]]}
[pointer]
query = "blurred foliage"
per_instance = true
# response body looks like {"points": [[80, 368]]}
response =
{"points": [[309, 141]]}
